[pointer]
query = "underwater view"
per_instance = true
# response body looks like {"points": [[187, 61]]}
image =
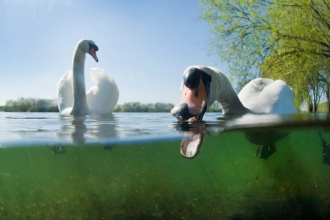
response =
{"points": [[133, 166]]}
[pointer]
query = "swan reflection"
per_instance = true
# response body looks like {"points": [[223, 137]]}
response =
{"points": [[264, 131], [264, 137], [192, 141], [80, 129]]}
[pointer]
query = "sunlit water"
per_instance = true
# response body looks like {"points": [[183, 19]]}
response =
{"points": [[130, 166]]}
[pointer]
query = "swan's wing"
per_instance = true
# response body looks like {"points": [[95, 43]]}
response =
{"points": [[249, 95], [283, 102], [64, 93], [103, 97], [268, 96]]}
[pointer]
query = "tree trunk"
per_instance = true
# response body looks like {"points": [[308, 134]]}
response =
{"points": [[314, 105], [328, 98], [310, 107]]}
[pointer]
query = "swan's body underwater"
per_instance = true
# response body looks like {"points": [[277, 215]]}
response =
{"points": [[72, 97], [202, 85]]}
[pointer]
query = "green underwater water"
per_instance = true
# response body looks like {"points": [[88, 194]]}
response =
{"points": [[153, 181]]}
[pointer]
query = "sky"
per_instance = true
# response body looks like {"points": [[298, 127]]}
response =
{"points": [[144, 45]]}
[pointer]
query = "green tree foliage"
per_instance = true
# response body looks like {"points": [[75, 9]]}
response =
{"points": [[138, 107], [241, 35], [156, 107], [215, 107], [283, 39], [47, 105], [30, 105]]}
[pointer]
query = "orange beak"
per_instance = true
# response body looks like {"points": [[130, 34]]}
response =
{"points": [[195, 103], [92, 52]]}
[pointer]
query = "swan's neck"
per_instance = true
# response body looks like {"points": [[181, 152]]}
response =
{"points": [[78, 84], [230, 103]]}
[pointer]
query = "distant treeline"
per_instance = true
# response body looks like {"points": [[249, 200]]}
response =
{"points": [[156, 107], [50, 105], [30, 105], [139, 107]]}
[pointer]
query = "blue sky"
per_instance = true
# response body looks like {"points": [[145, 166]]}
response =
{"points": [[144, 45]]}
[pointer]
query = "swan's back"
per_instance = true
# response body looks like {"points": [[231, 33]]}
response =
{"points": [[268, 96], [103, 97]]}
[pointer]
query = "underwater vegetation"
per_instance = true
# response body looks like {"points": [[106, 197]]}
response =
{"points": [[151, 180]]}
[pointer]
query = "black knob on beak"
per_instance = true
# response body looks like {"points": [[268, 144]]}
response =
{"points": [[182, 112]]}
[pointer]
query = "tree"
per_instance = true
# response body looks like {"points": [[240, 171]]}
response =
{"points": [[285, 39], [138, 107], [241, 35], [25, 105], [117, 108], [309, 82]]}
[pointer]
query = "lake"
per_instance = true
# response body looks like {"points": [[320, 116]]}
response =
{"points": [[132, 166]]}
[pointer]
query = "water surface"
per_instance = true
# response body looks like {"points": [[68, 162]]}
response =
{"points": [[129, 166]]}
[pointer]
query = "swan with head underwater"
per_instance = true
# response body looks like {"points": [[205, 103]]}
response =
{"points": [[72, 97], [202, 85]]}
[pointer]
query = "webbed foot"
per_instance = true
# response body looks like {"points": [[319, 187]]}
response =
{"points": [[326, 150], [57, 149], [108, 146], [264, 151]]}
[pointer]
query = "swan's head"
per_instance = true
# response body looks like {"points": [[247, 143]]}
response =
{"points": [[88, 46], [194, 94]]}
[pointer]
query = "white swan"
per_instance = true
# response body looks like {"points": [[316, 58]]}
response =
{"points": [[202, 85], [72, 98]]}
